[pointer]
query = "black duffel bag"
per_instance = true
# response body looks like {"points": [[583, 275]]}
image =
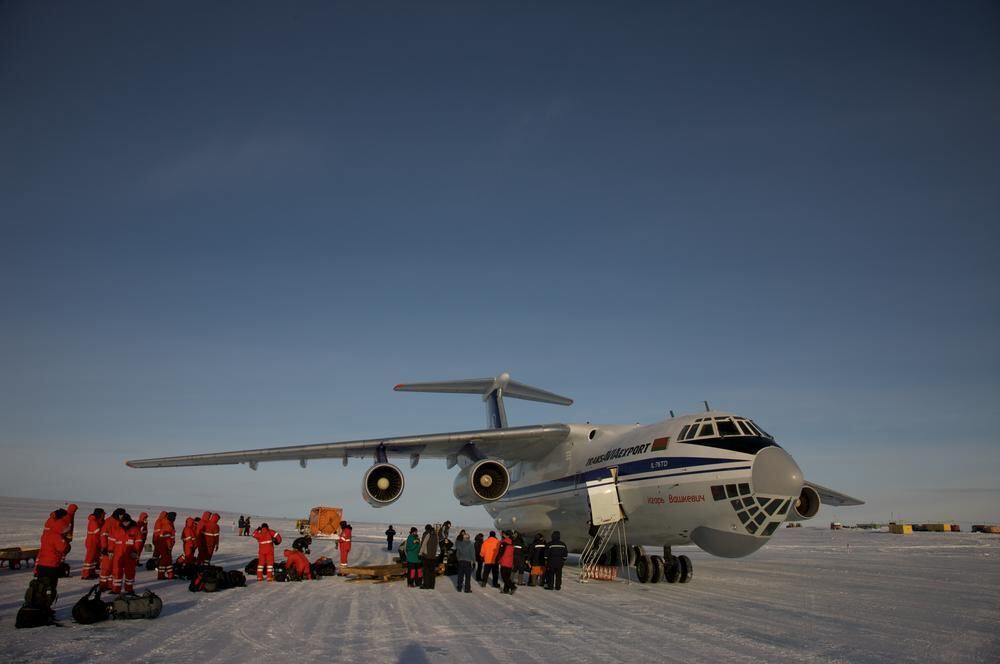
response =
{"points": [[151, 564], [216, 579], [34, 616], [323, 567], [237, 579], [132, 607], [251, 568], [90, 608]]}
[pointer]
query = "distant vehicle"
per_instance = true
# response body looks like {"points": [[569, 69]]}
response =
{"points": [[836, 525], [716, 479]]}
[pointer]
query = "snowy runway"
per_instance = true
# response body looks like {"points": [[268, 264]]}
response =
{"points": [[809, 595]]}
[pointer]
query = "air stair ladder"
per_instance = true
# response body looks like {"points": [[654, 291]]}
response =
{"points": [[608, 536]]}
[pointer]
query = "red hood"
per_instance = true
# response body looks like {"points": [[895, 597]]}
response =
{"points": [[143, 517], [214, 518]]}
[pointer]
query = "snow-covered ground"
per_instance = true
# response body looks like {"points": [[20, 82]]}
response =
{"points": [[809, 595]]}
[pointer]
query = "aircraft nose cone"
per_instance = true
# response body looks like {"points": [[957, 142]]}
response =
{"points": [[775, 473]]}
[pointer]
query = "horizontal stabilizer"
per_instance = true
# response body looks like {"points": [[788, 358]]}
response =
{"points": [[834, 498], [485, 386]]}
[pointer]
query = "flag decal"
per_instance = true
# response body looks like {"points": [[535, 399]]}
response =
{"points": [[660, 444]]}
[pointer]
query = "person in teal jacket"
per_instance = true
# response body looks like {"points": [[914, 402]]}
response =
{"points": [[414, 573]]}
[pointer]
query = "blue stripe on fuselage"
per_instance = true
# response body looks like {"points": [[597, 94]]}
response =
{"points": [[642, 466]]}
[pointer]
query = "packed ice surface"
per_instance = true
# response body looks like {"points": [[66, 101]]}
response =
{"points": [[809, 595]]}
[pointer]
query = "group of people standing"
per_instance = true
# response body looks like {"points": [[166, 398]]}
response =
{"points": [[505, 558], [114, 545], [510, 559], [243, 526]]}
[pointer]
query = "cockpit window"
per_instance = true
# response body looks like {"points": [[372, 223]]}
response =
{"points": [[762, 432], [707, 429], [683, 432], [744, 428], [727, 428]]}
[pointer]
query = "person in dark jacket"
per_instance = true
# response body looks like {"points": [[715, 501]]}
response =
{"points": [[519, 556], [465, 554], [477, 545], [536, 556], [555, 558], [412, 551], [429, 556], [390, 533]]}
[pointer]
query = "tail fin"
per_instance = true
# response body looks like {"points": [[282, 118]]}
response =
{"points": [[493, 391]]}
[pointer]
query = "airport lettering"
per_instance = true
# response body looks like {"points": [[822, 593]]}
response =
{"points": [[686, 499], [618, 453]]}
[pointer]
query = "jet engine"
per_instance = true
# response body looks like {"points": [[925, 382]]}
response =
{"points": [[382, 485], [805, 506], [482, 482]]}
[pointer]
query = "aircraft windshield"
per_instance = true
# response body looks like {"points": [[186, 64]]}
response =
{"points": [[724, 426]]}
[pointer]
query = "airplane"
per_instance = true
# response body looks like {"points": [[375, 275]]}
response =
{"points": [[715, 479]]}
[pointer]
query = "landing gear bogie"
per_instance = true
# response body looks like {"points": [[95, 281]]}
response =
{"points": [[656, 571]]}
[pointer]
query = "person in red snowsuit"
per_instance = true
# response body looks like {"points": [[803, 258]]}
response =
{"points": [[93, 544], [345, 541], [209, 538], [157, 526], [54, 545], [199, 539], [266, 539], [107, 543], [163, 545], [297, 563], [143, 523], [190, 541], [128, 543]]}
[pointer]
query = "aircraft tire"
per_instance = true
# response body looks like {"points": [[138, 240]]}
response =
{"points": [[643, 568], [656, 574], [672, 571], [634, 554], [687, 569]]}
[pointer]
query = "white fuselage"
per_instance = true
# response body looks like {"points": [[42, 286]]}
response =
{"points": [[665, 486]]}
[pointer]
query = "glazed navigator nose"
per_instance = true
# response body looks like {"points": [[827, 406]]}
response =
{"points": [[775, 473]]}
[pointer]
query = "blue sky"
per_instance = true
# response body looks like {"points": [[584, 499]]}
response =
{"points": [[239, 225]]}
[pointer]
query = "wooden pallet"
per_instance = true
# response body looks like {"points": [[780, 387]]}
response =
{"points": [[377, 573]]}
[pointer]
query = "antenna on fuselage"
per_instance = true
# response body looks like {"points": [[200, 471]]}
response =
{"points": [[672, 414], [707, 409]]}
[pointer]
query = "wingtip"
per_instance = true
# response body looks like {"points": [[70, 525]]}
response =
{"points": [[399, 386]]}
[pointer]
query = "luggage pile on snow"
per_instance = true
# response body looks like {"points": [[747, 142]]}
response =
{"points": [[211, 579], [91, 609], [38, 600]]}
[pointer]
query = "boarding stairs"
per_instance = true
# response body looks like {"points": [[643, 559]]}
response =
{"points": [[610, 538], [609, 544]]}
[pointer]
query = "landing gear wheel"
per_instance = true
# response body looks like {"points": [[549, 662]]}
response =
{"points": [[643, 568], [634, 554], [687, 568], [657, 572], [672, 571]]}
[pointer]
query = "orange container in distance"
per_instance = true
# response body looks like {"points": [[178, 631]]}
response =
{"points": [[324, 522]]}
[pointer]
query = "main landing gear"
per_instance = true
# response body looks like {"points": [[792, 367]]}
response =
{"points": [[668, 567]]}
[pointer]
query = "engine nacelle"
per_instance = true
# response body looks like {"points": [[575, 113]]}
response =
{"points": [[482, 482], [382, 485], [805, 506]]}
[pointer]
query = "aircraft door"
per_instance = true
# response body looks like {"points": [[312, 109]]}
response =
{"points": [[605, 504]]}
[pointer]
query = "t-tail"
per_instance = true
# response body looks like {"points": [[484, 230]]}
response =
{"points": [[493, 391]]}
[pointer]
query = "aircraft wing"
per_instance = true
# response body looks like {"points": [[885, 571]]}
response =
{"points": [[834, 498], [510, 444]]}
